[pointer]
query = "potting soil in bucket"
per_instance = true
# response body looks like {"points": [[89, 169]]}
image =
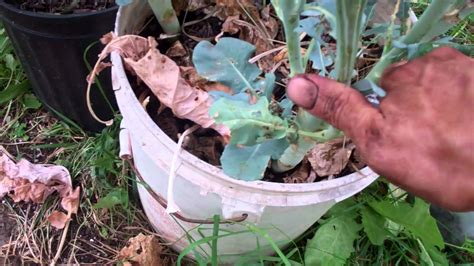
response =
{"points": [[201, 190], [51, 49]]}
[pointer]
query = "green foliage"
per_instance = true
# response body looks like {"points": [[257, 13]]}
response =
{"points": [[374, 226], [349, 17], [416, 219], [118, 196], [254, 121], [249, 163], [13, 91], [333, 243], [165, 14], [289, 14], [227, 63], [30, 101], [337, 238], [250, 124]]}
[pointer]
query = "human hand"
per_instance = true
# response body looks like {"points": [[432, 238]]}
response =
{"points": [[421, 137]]}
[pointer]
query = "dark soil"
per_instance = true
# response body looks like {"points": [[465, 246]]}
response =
{"points": [[63, 6], [5, 225]]}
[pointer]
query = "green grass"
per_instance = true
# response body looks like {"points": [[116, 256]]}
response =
{"points": [[109, 204], [461, 33]]}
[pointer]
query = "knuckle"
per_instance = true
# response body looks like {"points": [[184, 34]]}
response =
{"points": [[335, 107]]}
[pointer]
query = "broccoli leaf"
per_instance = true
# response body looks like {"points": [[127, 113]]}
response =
{"points": [[250, 124], [249, 163], [320, 60], [227, 63]]}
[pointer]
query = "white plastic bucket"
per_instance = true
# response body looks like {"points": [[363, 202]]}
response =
{"points": [[201, 190]]}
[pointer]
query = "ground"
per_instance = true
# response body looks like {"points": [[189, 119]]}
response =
{"points": [[110, 212]]}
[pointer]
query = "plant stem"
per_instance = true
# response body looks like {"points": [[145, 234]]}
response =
{"points": [[349, 23], [423, 29], [289, 14], [164, 13]]}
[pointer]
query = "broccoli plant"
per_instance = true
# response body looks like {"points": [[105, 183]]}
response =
{"points": [[265, 131], [164, 13]]}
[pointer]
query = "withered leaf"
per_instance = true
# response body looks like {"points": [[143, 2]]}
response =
{"points": [[331, 157], [70, 202], [58, 219], [176, 50], [142, 250], [24, 181], [162, 75], [304, 174], [226, 8], [192, 77]]}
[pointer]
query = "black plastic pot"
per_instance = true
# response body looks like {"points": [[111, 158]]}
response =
{"points": [[51, 49]]}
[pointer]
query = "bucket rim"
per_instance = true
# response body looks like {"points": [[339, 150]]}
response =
{"points": [[13, 9]]}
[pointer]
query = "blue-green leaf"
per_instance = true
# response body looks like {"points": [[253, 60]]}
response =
{"points": [[320, 60], [249, 163], [327, 8], [309, 25], [267, 85], [249, 124], [227, 63], [123, 2], [367, 87]]}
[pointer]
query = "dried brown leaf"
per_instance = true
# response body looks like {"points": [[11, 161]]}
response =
{"points": [[271, 24], [192, 77], [194, 5], [162, 75], [24, 181], [31, 182], [58, 219], [142, 250], [226, 8], [108, 37], [304, 174], [331, 157], [70, 202], [176, 50]]}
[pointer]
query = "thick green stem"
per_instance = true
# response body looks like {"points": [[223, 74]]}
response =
{"points": [[349, 20], [289, 14], [294, 51], [164, 13], [424, 29]]}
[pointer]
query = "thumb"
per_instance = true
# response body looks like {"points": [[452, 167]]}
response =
{"points": [[337, 104]]}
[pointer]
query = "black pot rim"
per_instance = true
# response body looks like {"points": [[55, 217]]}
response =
{"points": [[12, 8]]}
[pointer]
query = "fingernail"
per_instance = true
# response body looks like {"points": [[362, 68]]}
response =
{"points": [[303, 91]]}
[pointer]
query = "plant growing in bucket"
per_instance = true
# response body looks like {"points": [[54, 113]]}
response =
{"points": [[56, 41], [241, 97]]}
